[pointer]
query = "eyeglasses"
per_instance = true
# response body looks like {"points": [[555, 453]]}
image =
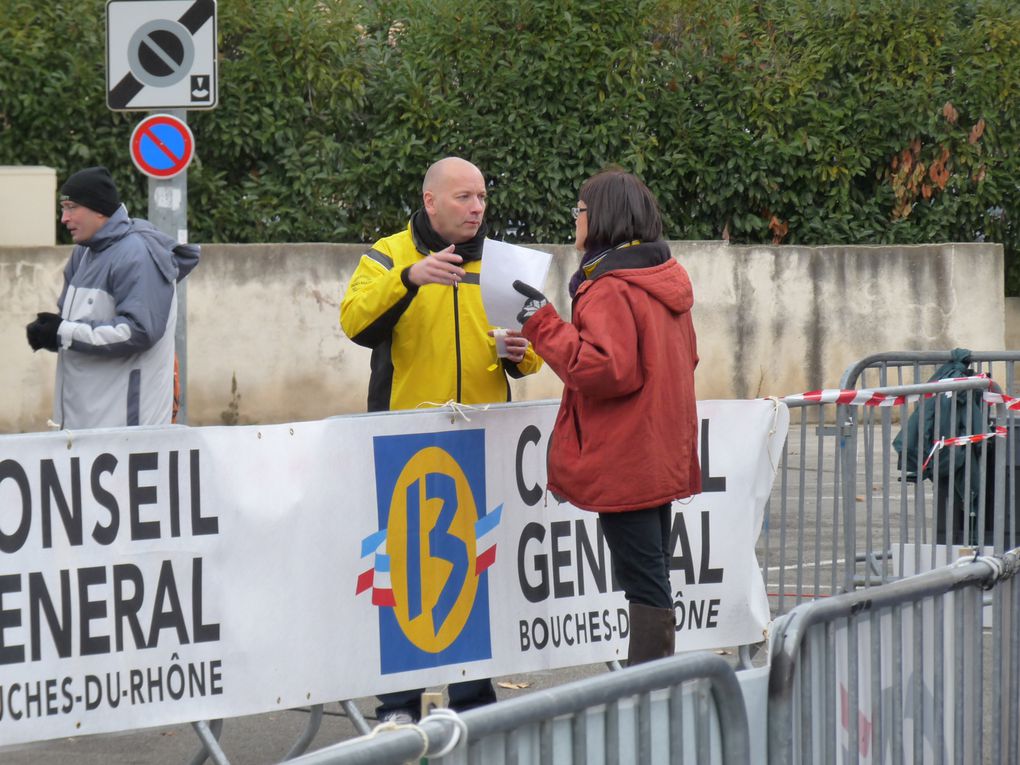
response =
{"points": [[576, 211], [67, 207]]}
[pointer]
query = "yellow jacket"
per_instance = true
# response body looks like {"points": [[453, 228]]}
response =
{"points": [[429, 344]]}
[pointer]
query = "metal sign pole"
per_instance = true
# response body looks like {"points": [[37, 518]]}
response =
{"points": [[168, 211], [161, 56]]}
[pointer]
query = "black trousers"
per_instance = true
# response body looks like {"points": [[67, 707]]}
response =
{"points": [[639, 542]]}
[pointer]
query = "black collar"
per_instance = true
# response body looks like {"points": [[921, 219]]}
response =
{"points": [[427, 240]]}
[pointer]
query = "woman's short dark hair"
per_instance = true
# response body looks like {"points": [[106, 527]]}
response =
{"points": [[620, 209]]}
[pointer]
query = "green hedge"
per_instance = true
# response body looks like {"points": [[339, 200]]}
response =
{"points": [[793, 121]]}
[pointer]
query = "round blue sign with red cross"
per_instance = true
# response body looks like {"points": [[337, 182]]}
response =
{"points": [[162, 146]]}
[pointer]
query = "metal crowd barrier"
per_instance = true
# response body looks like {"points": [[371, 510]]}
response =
{"points": [[915, 367], [845, 522], [684, 709], [935, 508], [842, 512], [903, 672], [799, 546]]}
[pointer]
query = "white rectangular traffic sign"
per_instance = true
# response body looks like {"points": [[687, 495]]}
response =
{"points": [[160, 54]]}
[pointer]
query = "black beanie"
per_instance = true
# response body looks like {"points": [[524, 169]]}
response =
{"points": [[93, 188]]}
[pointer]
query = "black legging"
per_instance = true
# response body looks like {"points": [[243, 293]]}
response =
{"points": [[639, 542]]}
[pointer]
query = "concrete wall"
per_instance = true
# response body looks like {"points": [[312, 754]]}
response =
{"points": [[770, 321], [1013, 323], [28, 201]]}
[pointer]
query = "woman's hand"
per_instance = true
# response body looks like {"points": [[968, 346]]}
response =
{"points": [[535, 300]]}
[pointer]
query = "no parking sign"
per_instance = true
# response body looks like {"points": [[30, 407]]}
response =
{"points": [[162, 146], [160, 54]]}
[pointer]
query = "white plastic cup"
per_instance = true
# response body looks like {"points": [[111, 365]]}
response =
{"points": [[499, 335]]}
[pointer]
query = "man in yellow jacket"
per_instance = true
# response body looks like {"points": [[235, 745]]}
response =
{"points": [[415, 300]]}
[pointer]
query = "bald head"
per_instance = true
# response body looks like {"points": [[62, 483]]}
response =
{"points": [[453, 193], [440, 172]]}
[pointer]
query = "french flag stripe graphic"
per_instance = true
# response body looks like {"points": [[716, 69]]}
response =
{"points": [[372, 543], [365, 580], [483, 526], [485, 560], [487, 523]]}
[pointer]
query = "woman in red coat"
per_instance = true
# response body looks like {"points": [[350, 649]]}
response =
{"points": [[625, 440]]}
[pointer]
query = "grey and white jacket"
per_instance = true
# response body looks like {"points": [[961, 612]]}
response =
{"points": [[119, 304]]}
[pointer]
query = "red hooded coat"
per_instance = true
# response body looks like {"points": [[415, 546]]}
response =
{"points": [[626, 433]]}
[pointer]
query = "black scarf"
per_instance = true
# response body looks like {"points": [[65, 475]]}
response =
{"points": [[421, 228], [628, 255]]}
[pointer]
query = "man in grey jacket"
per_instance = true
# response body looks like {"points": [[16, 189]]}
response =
{"points": [[114, 333]]}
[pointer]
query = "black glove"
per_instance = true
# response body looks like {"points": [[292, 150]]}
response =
{"points": [[42, 333], [535, 300]]}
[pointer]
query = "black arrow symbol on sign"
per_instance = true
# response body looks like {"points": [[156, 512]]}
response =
{"points": [[129, 87]]}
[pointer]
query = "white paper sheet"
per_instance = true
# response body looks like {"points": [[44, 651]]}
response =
{"points": [[502, 263]]}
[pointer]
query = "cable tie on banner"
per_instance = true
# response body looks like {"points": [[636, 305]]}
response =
{"points": [[775, 413], [772, 430], [460, 731], [389, 725], [996, 564], [67, 433], [456, 408]]}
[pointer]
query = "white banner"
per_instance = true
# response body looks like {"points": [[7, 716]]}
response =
{"points": [[153, 576]]}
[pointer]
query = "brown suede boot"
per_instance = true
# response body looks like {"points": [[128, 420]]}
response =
{"points": [[652, 633]]}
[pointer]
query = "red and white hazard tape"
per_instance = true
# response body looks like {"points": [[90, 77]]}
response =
{"points": [[1000, 431], [1002, 398], [868, 397]]}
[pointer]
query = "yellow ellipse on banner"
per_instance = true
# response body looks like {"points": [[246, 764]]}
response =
{"points": [[434, 572]]}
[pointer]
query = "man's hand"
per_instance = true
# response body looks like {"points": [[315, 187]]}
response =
{"points": [[516, 345], [441, 267], [535, 300], [42, 333]]}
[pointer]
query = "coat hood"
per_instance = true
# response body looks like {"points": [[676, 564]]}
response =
{"points": [[648, 266], [175, 261]]}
